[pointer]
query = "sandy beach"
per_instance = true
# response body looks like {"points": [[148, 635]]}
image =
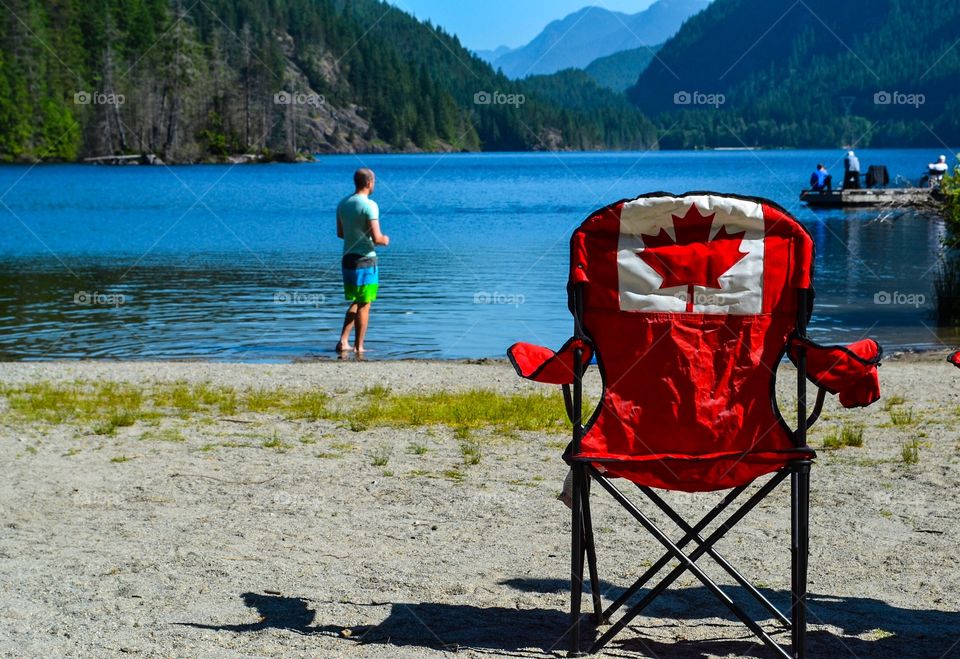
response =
{"points": [[258, 534]]}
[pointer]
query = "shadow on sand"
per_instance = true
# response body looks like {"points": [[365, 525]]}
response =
{"points": [[538, 632]]}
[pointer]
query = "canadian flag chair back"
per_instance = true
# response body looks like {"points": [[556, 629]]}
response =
{"points": [[689, 302]]}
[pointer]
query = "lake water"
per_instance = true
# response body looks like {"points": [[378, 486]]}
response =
{"points": [[242, 263]]}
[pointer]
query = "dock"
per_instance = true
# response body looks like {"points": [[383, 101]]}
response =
{"points": [[866, 197]]}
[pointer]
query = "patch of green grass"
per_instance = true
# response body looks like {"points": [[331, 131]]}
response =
{"points": [[163, 435], [258, 401], [308, 440], [216, 445], [377, 391], [380, 456], [467, 410], [276, 443], [902, 417], [454, 475], [93, 403], [471, 453], [116, 420], [309, 406], [106, 406], [358, 424], [910, 451], [120, 458], [71, 452], [845, 435], [343, 447], [893, 401], [852, 435], [417, 449]]}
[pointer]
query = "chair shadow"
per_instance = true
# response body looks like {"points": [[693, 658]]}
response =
{"points": [[896, 631], [276, 612], [542, 632]]}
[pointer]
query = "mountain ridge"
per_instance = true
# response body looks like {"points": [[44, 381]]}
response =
{"points": [[578, 39]]}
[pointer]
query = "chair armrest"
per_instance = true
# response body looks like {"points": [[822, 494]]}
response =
{"points": [[850, 371], [543, 365]]}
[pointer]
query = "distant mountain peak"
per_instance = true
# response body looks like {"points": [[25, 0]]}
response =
{"points": [[592, 32]]}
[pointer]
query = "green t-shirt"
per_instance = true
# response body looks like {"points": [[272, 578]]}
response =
{"points": [[355, 214]]}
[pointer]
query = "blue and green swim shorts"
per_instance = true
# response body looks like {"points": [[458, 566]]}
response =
{"points": [[361, 277]]}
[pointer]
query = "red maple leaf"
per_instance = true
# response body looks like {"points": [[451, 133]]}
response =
{"points": [[693, 259]]}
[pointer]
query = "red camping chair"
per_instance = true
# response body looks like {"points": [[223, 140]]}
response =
{"points": [[690, 304]]}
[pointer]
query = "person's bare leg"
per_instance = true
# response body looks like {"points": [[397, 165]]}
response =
{"points": [[348, 321], [363, 319]]}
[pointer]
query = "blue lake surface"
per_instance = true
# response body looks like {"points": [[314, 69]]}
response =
{"points": [[242, 263]]}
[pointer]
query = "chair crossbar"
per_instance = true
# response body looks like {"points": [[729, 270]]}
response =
{"points": [[689, 562], [715, 555], [659, 565]]}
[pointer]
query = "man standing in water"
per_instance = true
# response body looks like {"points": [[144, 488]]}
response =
{"points": [[358, 225]]}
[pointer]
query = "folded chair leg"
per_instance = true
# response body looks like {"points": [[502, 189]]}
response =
{"points": [[715, 555], [689, 563], [591, 554], [666, 558], [800, 547], [576, 561]]}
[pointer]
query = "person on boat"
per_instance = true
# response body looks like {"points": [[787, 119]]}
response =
{"points": [[821, 180], [358, 225], [851, 172], [937, 170]]}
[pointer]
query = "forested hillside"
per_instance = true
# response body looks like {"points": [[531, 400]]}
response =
{"points": [[619, 71], [824, 73], [195, 81]]}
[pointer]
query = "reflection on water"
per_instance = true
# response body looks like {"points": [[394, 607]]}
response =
{"points": [[243, 264]]}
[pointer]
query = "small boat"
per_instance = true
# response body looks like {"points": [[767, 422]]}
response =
{"points": [[866, 197]]}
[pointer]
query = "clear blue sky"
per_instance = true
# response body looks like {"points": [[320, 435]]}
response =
{"points": [[486, 24]]}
